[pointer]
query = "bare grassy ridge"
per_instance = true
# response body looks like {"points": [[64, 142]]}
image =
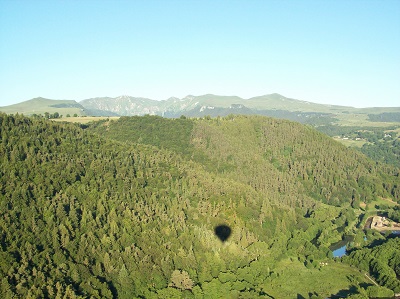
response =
{"points": [[41, 106]]}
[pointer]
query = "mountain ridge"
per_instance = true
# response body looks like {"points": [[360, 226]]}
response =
{"points": [[273, 105]]}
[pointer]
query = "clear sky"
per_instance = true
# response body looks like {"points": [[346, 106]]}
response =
{"points": [[331, 52]]}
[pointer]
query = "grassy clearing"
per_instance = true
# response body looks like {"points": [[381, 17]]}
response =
{"points": [[397, 130], [296, 280], [379, 202], [351, 143], [85, 119], [360, 120], [352, 119]]}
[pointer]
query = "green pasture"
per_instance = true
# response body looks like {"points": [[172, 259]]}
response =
{"points": [[379, 201], [294, 280], [360, 120], [85, 119], [351, 143]]}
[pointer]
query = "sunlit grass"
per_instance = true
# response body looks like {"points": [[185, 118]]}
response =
{"points": [[379, 202], [360, 120], [351, 143], [296, 280], [85, 119]]}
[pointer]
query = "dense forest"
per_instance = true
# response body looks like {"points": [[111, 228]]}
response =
{"points": [[128, 209]]}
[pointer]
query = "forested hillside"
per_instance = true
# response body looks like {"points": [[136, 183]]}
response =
{"points": [[270, 155], [128, 208]]}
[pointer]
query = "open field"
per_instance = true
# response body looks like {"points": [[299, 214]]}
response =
{"points": [[361, 120], [397, 130], [295, 280], [372, 208], [380, 201], [85, 119], [350, 142]]}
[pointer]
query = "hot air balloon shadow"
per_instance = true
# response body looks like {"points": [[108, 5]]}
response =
{"points": [[223, 232]]}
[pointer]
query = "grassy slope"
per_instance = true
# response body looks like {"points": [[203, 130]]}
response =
{"points": [[41, 105], [351, 143], [218, 101], [294, 279], [85, 119], [360, 120], [268, 102], [276, 101], [279, 102]]}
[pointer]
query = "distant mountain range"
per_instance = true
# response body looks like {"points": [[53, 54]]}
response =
{"points": [[274, 105], [208, 104]]}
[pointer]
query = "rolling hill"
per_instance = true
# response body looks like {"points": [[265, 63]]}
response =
{"points": [[39, 106], [42, 105]]}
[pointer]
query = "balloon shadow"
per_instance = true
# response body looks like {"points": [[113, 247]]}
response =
{"points": [[223, 232]]}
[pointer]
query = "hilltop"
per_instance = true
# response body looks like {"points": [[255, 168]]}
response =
{"points": [[41, 105]]}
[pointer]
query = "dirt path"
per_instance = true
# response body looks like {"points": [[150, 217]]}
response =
{"points": [[373, 281]]}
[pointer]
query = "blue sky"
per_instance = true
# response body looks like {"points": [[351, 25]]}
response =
{"points": [[331, 52]]}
